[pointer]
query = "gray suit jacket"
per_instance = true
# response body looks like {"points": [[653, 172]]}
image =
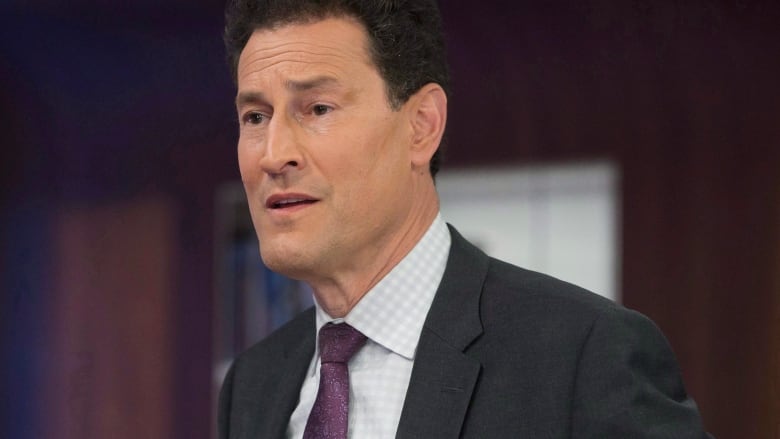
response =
{"points": [[504, 353]]}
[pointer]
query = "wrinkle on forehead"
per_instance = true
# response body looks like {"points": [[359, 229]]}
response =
{"points": [[301, 43], [298, 58]]}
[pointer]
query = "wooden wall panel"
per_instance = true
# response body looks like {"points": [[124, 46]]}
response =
{"points": [[109, 372]]}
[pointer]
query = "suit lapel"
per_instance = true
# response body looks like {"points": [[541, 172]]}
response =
{"points": [[283, 382], [443, 377]]}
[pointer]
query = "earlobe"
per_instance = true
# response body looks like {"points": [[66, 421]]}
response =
{"points": [[429, 117]]}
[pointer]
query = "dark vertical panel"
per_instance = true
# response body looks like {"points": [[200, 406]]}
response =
{"points": [[774, 363], [26, 277]]}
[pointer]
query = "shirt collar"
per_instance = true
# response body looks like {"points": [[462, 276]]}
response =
{"points": [[393, 312]]}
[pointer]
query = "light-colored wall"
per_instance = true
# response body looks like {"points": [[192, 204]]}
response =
{"points": [[559, 219]]}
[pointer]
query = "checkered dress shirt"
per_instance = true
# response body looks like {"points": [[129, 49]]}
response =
{"points": [[391, 315]]}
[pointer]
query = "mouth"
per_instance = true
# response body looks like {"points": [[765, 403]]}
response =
{"points": [[288, 201]]}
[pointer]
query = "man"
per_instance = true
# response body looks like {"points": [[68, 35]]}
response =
{"points": [[342, 106]]}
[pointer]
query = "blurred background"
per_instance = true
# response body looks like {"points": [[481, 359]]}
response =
{"points": [[118, 136]]}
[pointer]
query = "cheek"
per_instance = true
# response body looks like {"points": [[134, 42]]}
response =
{"points": [[248, 160], [377, 178]]}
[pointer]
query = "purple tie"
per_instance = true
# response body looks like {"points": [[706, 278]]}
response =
{"points": [[328, 417]]}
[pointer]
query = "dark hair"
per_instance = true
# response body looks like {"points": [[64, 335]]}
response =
{"points": [[405, 38]]}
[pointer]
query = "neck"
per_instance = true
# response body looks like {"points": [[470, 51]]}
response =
{"points": [[338, 294]]}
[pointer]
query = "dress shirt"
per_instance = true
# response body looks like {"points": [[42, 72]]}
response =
{"points": [[391, 315]]}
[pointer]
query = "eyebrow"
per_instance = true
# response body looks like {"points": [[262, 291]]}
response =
{"points": [[249, 97], [254, 97]]}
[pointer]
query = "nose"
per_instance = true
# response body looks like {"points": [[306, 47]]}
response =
{"points": [[282, 149]]}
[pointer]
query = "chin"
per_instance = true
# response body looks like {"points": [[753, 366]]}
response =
{"points": [[284, 261]]}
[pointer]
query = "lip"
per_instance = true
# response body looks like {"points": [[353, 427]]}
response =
{"points": [[288, 202]]}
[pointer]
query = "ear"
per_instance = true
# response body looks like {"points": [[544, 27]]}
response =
{"points": [[428, 117]]}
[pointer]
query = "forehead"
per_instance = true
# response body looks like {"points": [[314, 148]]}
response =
{"points": [[333, 45]]}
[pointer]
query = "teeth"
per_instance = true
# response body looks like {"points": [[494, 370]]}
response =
{"points": [[291, 201]]}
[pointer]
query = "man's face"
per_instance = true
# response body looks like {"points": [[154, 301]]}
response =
{"points": [[324, 159]]}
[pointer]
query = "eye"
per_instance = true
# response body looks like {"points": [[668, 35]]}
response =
{"points": [[253, 118], [321, 109]]}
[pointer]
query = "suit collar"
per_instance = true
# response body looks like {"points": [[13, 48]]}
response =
{"points": [[454, 315], [443, 377]]}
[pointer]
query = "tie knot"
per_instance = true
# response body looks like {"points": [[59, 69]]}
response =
{"points": [[339, 342]]}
